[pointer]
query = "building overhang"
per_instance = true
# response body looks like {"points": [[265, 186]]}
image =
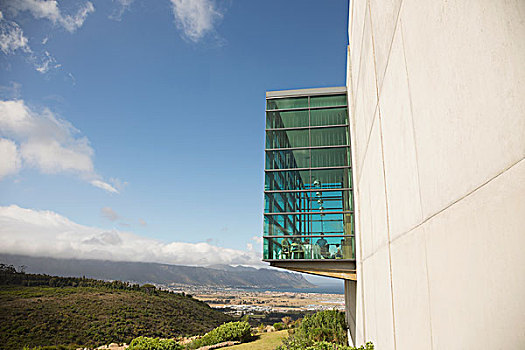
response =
{"points": [[339, 268], [306, 92]]}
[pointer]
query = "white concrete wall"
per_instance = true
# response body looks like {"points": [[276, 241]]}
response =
{"points": [[437, 94]]}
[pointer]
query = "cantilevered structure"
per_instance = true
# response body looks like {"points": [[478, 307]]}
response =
{"points": [[309, 211]]}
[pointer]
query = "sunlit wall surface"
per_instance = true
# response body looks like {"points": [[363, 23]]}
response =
{"points": [[308, 210]]}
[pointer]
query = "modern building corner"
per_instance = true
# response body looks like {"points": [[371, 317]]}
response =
{"points": [[409, 183], [309, 210]]}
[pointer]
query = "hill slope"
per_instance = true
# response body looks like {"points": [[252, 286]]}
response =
{"points": [[218, 275], [94, 315]]}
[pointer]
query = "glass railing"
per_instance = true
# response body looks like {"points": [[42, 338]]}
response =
{"points": [[316, 247]]}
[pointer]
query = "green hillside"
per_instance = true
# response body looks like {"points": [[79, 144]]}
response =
{"points": [[91, 313]]}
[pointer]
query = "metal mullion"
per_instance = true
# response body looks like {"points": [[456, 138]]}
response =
{"points": [[307, 236], [311, 212], [330, 198], [287, 109], [311, 190], [309, 127], [307, 199], [279, 208], [305, 108], [327, 220], [304, 169], [304, 148]]}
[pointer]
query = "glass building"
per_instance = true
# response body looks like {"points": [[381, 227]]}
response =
{"points": [[308, 213]]}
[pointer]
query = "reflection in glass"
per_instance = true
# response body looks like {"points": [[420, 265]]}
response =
{"points": [[286, 103], [308, 212]]}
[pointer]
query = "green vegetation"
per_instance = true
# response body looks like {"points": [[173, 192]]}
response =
{"points": [[231, 331], [324, 345], [40, 310], [145, 343], [50, 347], [325, 330], [264, 341], [278, 326]]}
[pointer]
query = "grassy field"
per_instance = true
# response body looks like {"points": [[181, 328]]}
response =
{"points": [[266, 341], [92, 316]]}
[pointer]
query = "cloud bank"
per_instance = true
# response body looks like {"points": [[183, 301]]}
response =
{"points": [[12, 37], [45, 142], [196, 18], [45, 233], [48, 9]]}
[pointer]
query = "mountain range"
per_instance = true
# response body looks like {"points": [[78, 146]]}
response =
{"points": [[165, 274]]}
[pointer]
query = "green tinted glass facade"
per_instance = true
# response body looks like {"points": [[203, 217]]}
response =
{"points": [[308, 211]]}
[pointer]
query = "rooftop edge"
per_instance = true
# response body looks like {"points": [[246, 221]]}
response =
{"points": [[306, 92]]}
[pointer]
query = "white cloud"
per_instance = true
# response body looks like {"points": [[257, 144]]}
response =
{"points": [[257, 239], [46, 62], [109, 214], [123, 6], [48, 143], [12, 37], [9, 158], [104, 185], [196, 18], [48, 9], [45, 233]]}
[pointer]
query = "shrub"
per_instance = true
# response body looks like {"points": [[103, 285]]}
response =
{"points": [[230, 331], [324, 330], [278, 326], [51, 347], [331, 346], [146, 343], [326, 325]]}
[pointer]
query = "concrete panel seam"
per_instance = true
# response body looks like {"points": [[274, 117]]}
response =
{"points": [[360, 56], [380, 88], [352, 126], [357, 87], [459, 199], [387, 228], [428, 293], [368, 141], [384, 181], [401, 29]]}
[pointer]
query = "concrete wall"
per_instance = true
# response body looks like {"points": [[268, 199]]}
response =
{"points": [[437, 93]]}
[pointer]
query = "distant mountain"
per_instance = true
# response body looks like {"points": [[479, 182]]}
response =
{"points": [[216, 275]]}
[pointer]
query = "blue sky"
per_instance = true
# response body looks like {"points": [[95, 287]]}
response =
{"points": [[139, 125]]}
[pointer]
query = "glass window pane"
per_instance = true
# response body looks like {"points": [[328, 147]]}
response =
{"points": [[279, 225], [326, 157], [332, 116], [309, 248], [288, 159], [331, 178], [286, 103], [288, 248], [287, 138], [286, 180], [289, 202], [290, 119], [323, 101], [329, 136]]}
